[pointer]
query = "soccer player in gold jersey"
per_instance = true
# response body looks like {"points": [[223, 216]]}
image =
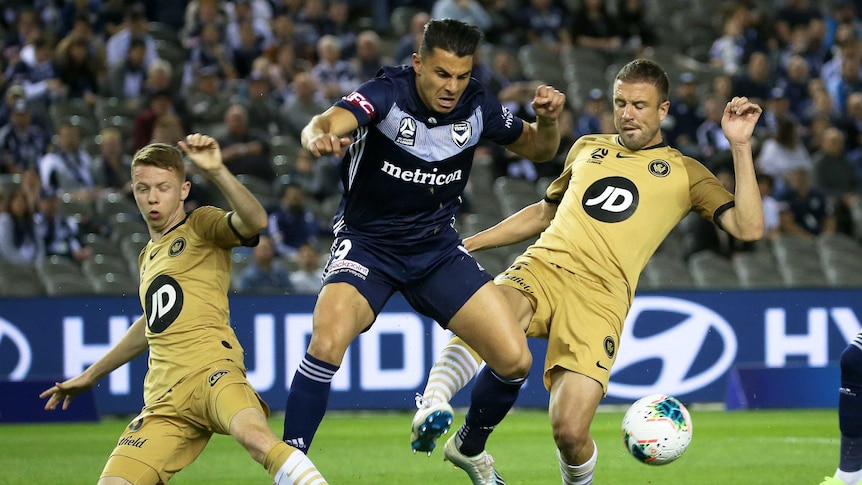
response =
{"points": [[196, 384], [618, 197]]}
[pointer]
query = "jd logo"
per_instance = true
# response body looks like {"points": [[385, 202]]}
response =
{"points": [[164, 302], [611, 199]]}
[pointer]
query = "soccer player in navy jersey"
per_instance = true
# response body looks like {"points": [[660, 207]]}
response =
{"points": [[407, 139]]}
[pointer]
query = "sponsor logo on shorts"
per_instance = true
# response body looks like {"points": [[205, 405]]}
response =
{"points": [[610, 346], [343, 265], [132, 441], [516, 279], [136, 424], [215, 376]]}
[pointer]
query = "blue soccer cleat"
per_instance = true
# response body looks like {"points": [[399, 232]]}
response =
{"points": [[429, 423]]}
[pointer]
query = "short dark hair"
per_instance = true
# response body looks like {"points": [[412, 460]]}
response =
{"points": [[645, 71], [455, 36]]}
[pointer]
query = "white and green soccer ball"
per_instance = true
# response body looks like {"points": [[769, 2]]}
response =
{"points": [[657, 429]]}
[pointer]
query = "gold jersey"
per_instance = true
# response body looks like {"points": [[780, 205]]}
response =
{"points": [[616, 206], [184, 283]]}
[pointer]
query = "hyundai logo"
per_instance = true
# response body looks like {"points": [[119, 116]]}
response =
{"points": [[677, 347], [9, 332]]}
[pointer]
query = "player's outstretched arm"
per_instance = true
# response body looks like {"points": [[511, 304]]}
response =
{"points": [[520, 226], [249, 216], [541, 139], [745, 220], [133, 343], [325, 133]]}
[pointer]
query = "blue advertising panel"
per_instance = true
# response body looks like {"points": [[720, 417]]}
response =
{"points": [[685, 343]]}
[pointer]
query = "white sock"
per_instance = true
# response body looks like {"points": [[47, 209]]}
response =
{"points": [[579, 474], [454, 368], [299, 470], [850, 478]]}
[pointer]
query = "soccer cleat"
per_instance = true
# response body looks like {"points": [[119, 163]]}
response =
{"points": [[479, 467], [429, 423], [832, 481]]}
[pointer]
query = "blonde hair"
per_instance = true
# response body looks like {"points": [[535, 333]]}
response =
{"points": [[161, 155]]}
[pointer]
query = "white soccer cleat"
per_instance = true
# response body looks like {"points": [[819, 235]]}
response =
{"points": [[480, 468], [429, 423]]}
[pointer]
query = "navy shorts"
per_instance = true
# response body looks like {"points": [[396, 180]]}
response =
{"points": [[436, 280]]}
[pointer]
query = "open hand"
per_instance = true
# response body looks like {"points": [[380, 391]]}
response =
{"points": [[65, 391]]}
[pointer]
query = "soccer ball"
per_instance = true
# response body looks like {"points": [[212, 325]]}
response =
{"points": [[657, 429]]}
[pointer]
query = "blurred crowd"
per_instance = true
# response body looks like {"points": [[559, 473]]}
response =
{"points": [[85, 83]]}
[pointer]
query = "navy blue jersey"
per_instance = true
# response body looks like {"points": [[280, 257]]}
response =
{"points": [[404, 174]]}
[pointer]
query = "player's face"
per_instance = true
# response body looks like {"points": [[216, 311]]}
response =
{"points": [[638, 113], [160, 194], [441, 78]]}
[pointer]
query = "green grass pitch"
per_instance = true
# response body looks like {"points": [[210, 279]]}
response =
{"points": [[750, 447]]}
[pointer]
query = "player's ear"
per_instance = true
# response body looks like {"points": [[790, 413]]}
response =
{"points": [[663, 109], [184, 190], [417, 63]]}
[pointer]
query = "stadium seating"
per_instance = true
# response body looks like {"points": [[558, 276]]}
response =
{"points": [[114, 284], [798, 262], [666, 271], [67, 285], [112, 203], [19, 280], [513, 194], [711, 270], [841, 256], [757, 269], [541, 64]]}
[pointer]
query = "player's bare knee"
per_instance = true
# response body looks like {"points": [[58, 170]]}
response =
{"points": [[570, 437], [515, 365]]}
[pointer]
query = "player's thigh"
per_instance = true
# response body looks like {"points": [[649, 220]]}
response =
{"points": [[223, 392], [444, 280], [155, 446], [582, 321], [340, 315], [359, 281], [486, 324]]}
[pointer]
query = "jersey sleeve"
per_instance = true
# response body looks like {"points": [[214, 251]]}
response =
{"points": [[708, 197], [370, 101], [213, 224], [500, 124], [555, 191]]}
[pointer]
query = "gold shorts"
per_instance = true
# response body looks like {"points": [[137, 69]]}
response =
{"points": [[580, 317], [170, 433]]}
